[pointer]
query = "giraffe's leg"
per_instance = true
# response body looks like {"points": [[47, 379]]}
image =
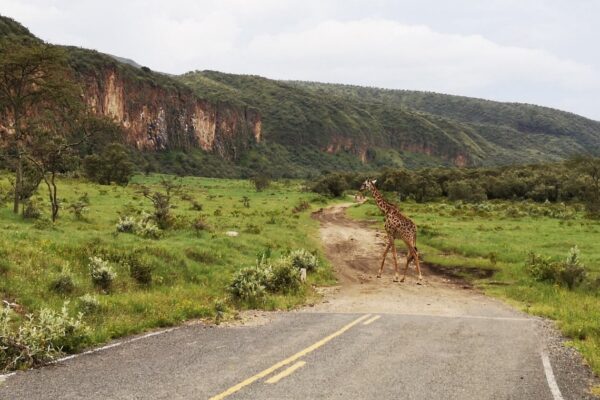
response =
{"points": [[416, 258], [387, 248], [396, 268], [409, 257]]}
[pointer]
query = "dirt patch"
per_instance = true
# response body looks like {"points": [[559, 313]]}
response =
{"points": [[355, 250]]}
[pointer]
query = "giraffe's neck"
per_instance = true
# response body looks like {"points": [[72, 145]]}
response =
{"points": [[381, 203]]}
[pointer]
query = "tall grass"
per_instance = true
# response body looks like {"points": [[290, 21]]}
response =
{"points": [[190, 267]]}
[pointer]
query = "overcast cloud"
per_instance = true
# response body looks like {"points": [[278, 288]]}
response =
{"points": [[542, 52]]}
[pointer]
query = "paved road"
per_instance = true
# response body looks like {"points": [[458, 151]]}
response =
{"points": [[335, 355], [369, 339]]}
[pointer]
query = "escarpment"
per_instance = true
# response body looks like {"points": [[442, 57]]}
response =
{"points": [[157, 113]]}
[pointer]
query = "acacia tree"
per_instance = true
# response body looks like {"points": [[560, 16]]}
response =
{"points": [[34, 84], [588, 169]]}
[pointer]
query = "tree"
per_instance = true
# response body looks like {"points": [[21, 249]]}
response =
{"points": [[588, 169], [34, 85], [111, 165]]}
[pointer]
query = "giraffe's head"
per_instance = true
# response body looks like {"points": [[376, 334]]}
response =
{"points": [[368, 184]]}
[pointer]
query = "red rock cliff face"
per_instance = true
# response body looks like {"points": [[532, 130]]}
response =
{"points": [[162, 118]]}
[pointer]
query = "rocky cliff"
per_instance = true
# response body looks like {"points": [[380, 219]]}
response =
{"points": [[160, 114]]}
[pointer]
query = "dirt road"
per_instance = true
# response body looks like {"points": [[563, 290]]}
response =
{"points": [[368, 338]]}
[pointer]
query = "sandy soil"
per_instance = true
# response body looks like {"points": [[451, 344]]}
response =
{"points": [[355, 249]]}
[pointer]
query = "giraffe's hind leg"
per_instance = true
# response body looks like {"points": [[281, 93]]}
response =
{"points": [[396, 268], [409, 257], [415, 256], [387, 248]]}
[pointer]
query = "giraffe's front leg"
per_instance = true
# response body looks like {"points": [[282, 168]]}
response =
{"points": [[387, 248]]}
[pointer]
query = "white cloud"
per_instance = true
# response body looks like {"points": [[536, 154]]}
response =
{"points": [[387, 53], [502, 49]]}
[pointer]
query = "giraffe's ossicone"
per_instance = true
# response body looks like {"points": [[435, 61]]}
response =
{"points": [[397, 226]]}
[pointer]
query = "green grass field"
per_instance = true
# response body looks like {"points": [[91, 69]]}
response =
{"points": [[190, 269], [499, 236]]}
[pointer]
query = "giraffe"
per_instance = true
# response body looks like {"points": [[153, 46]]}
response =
{"points": [[397, 226]]}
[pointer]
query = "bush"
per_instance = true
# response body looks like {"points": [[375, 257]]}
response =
{"points": [[196, 206], [569, 273], [467, 191], [40, 338], [31, 210], [102, 273], [126, 224], [89, 304], [111, 165], [285, 278], [140, 270], [79, 209], [43, 223], [4, 266], [253, 229], [148, 229], [572, 271], [63, 284], [331, 185], [302, 258], [250, 283], [261, 182], [200, 226], [541, 268]]}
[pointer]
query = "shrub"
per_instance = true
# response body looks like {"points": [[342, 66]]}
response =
{"points": [[89, 304], [200, 226], [285, 278], [79, 209], [196, 206], [332, 185], [246, 201], [111, 165], [126, 224], [303, 205], [148, 229], [467, 191], [302, 258], [31, 210], [252, 228], [250, 283], [4, 266], [140, 270], [261, 182], [102, 273], [572, 271], [43, 223], [63, 284], [39, 338], [541, 268], [569, 273]]}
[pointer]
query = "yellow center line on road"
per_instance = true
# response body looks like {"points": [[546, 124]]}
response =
{"points": [[375, 318], [288, 360], [285, 372]]}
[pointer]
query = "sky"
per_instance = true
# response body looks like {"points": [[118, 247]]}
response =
{"points": [[531, 51]]}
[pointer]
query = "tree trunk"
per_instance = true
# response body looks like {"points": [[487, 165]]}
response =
{"points": [[18, 183], [54, 199]]}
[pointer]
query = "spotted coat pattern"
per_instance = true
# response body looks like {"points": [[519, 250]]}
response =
{"points": [[397, 226]]}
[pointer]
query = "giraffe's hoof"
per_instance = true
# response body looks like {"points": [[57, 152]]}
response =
{"points": [[395, 279], [401, 280], [379, 275]]}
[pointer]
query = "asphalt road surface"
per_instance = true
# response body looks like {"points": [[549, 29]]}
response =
{"points": [[368, 339]]}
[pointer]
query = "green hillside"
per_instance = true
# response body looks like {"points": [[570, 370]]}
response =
{"points": [[396, 124], [309, 128]]}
